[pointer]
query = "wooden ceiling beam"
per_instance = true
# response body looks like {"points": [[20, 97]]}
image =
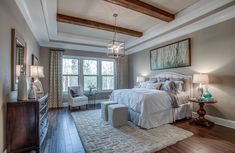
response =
{"points": [[97, 25], [144, 8]]}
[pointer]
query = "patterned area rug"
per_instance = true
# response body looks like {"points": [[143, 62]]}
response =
{"points": [[98, 136]]}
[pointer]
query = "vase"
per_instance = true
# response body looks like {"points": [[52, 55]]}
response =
{"points": [[22, 88]]}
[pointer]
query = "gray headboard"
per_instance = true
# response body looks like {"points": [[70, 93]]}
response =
{"points": [[187, 79]]}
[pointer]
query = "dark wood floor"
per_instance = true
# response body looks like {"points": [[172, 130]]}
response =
{"points": [[63, 137]]}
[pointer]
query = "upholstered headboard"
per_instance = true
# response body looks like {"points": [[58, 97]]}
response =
{"points": [[187, 79]]}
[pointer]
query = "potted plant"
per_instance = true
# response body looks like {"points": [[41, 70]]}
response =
{"points": [[91, 87]]}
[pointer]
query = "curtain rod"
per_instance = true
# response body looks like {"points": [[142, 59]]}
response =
{"points": [[54, 49]]}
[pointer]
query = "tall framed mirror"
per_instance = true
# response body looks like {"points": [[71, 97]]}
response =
{"points": [[18, 57]]}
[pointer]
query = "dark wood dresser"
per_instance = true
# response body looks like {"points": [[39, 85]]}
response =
{"points": [[27, 124]]}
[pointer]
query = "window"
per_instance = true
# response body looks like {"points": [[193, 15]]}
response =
{"points": [[90, 74], [107, 72], [70, 73]]}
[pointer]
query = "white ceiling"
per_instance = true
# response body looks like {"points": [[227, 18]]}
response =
{"points": [[102, 11], [191, 15]]}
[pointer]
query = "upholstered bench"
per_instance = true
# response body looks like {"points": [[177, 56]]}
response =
{"points": [[117, 115], [104, 109]]}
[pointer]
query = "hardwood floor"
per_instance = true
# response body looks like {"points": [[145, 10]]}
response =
{"points": [[63, 137]]}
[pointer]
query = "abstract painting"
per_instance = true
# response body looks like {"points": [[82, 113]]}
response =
{"points": [[171, 56]]}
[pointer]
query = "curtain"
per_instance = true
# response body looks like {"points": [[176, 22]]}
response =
{"points": [[122, 72], [55, 89]]}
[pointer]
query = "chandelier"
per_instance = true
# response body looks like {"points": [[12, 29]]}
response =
{"points": [[116, 48]]}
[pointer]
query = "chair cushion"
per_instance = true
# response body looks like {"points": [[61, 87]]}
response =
{"points": [[80, 98]]}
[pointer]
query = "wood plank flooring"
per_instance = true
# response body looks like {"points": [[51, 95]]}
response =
{"points": [[63, 137]]}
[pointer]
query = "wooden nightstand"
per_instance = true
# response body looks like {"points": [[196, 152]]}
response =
{"points": [[200, 120]]}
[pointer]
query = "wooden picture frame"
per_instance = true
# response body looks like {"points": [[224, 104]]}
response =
{"points": [[35, 60], [17, 42], [174, 55]]}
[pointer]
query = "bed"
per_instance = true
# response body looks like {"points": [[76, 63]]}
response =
{"points": [[149, 108]]}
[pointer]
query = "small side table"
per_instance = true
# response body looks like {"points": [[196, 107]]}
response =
{"points": [[200, 120]]}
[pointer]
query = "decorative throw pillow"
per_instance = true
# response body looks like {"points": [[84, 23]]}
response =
{"points": [[154, 80], [75, 92], [179, 85], [157, 85], [170, 86], [162, 79], [144, 84], [150, 85]]}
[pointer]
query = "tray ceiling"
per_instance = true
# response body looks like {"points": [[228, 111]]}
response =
{"points": [[190, 15]]}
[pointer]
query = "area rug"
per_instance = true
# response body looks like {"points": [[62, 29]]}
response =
{"points": [[98, 136]]}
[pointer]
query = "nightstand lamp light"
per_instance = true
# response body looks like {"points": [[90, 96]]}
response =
{"points": [[202, 79], [140, 79], [36, 72]]}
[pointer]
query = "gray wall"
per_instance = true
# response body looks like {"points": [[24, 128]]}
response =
{"points": [[45, 58], [10, 17], [213, 52]]}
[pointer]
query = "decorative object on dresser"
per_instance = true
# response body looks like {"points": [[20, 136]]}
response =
{"points": [[171, 56], [202, 79], [27, 124], [22, 89], [140, 79], [200, 120], [36, 72]]}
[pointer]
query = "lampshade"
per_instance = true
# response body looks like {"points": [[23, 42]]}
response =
{"points": [[140, 79], [18, 69], [40, 72], [36, 71], [200, 78]]}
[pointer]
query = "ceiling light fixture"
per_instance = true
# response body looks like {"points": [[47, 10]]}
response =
{"points": [[116, 48]]}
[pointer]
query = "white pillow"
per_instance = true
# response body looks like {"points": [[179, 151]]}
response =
{"points": [[150, 85], [144, 84]]}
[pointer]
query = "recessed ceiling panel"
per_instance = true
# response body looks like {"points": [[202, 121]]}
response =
{"points": [[90, 32]]}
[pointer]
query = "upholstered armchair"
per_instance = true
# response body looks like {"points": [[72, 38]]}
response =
{"points": [[76, 98]]}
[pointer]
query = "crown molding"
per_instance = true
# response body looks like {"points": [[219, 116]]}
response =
{"points": [[81, 47]]}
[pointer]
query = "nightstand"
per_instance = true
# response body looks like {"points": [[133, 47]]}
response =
{"points": [[200, 120]]}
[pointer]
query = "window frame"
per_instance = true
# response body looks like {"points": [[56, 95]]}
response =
{"points": [[79, 73], [99, 71], [114, 74]]}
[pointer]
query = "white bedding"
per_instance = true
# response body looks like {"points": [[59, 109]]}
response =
{"points": [[146, 102]]}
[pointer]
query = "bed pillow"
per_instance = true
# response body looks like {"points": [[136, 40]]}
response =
{"points": [[150, 85], [154, 80], [144, 84], [179, 85], [157, 85], [162, 79], [170, 86]]}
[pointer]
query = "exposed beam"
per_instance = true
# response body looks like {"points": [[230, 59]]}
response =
{"points": [[144, 8], [97, 25]]}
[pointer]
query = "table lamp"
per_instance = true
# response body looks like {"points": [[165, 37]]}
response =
{"points": [[202, 79], [140, 79], [36, 72]]}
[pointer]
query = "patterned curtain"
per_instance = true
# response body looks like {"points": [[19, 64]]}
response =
{"points": [[122, 72], [55, 89]]}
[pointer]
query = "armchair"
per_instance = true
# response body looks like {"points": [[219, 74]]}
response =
{"points": [[78, 100]]}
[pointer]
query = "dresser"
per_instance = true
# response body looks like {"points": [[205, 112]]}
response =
{"points": [[27, 124]]}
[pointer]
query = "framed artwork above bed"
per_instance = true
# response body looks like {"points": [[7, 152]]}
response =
{"points": [[174, 55]]}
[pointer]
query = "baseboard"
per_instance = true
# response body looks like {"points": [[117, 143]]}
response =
{"points": [[220, 121]]}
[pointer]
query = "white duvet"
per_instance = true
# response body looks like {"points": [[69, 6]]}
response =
{"points": [[145, 101]]}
